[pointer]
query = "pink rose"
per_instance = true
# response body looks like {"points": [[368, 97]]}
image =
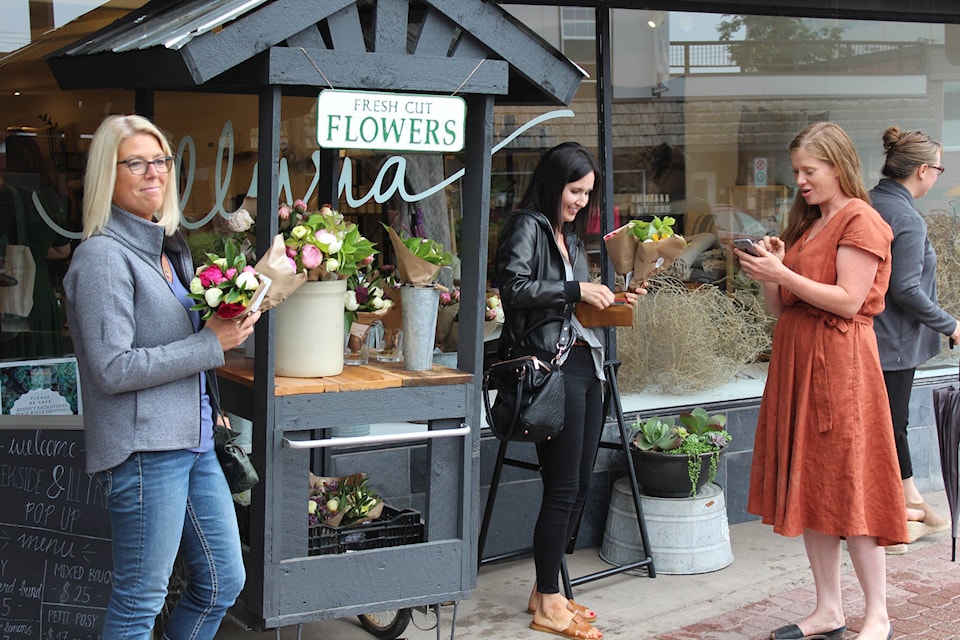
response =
{"points": [[310, 256], [291, 252], [293, 264], [445, 298], [231, 273], [211, 276], [284, 212], [299, 205], [229, 310]]}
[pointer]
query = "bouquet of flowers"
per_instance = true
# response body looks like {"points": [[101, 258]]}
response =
{"points": [[641, 249], [367, 298], [365, 303], [418, 259], [227, 286], [342, 501], [323, 243], [494, 309]]}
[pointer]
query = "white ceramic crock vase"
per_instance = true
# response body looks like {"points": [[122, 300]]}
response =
{"points": [[309, 338]]}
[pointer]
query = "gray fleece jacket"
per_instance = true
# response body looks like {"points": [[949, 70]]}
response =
{"points": [[908, 331], [138, 355]]}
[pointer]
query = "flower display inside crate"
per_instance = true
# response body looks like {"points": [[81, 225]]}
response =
{"points": [[342, 501], [345, 514]]}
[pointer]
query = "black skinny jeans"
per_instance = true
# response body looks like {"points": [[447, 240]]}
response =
{"points": [[899, 385], [566, 464]]}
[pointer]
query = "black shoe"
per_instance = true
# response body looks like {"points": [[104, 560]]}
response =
{"points": [[792, 632]]}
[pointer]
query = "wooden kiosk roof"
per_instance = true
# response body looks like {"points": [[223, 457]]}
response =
{"points": [[239, 45]]}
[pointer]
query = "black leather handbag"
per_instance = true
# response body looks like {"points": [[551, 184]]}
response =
{"points": [[237, 467], [529, 405]]}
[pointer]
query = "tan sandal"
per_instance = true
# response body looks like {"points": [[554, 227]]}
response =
{"points": [[932, 522], [586, 613], [577, 629]]}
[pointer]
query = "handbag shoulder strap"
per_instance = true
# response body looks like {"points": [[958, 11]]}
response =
{"points": [[563, 341]]}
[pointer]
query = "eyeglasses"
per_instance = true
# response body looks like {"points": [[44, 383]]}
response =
{"points": [[138, 166], [939, 170]]}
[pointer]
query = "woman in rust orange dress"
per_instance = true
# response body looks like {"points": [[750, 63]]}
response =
{"points": [[824, 461]]}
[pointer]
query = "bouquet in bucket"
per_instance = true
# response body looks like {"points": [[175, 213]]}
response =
{"points": [[640, 249], [323, 243], [369, 300], [227, 286]]}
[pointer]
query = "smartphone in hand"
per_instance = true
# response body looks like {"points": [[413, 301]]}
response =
{"points": [[746, 245]]}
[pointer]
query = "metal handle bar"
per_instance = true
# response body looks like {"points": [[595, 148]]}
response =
{"points": [[463, 430]]}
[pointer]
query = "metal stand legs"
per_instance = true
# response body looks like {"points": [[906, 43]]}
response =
{"points": [[611, 400]]}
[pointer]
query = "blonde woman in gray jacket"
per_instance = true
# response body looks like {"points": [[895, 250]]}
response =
{"points": [[148, 420], [910, 328]]}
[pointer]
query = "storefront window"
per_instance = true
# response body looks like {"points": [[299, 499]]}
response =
{"points": [[704, 108]]}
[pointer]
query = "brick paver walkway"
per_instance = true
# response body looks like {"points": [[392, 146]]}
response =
{"points": [[923, 598]]}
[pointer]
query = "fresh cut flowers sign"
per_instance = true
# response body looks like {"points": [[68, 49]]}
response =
{"points": [[390, 121]]}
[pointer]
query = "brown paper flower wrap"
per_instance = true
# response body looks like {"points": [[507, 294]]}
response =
{"points": [[644, 259], [411, 269], [353, 501], [280, 269]]}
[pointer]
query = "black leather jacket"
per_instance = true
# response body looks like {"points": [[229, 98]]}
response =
{"points": [[533, 284]]}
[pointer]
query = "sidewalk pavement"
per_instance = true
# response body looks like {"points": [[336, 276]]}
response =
{"points": [[768, 585]]}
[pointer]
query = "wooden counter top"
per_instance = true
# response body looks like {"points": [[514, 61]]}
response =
{"points": [[376, 375]]}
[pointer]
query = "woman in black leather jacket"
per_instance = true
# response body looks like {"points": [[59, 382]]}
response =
{"points": [[541, 268]]}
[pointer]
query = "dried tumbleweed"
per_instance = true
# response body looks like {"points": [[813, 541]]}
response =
{"points": [[686, 339]]}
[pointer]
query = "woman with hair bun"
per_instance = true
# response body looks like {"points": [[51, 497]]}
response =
{"points": [[909, 329]]}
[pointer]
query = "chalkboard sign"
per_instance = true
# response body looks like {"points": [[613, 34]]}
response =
{"points": [[55, 564]]}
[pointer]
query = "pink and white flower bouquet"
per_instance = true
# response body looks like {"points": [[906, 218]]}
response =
{"points": [[225, 286], [323, 243]]}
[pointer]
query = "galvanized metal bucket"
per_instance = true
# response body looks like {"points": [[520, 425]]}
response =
{"points": [[418, 307]]}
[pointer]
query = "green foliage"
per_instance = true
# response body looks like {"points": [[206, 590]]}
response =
{"points": [[656, 229], [203, 243], [776, 43], [426, 249], [698, 433], [655, 434]]}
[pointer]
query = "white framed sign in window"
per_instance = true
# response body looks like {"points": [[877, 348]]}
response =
{"points": [[390, 121]]}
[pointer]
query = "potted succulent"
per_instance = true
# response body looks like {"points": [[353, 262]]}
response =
{"points": [[668, 457]]}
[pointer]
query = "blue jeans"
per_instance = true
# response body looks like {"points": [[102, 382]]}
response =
{"points": [[161, 502]]}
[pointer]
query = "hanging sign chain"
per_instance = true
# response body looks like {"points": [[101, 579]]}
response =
{"points": [[316, 66], [469, 75], [322, 75]]}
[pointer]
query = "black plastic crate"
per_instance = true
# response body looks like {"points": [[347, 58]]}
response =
{"points": [[395, 527]]}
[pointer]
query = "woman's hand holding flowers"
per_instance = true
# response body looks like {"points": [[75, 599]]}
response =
{"points": [[232, 333]]}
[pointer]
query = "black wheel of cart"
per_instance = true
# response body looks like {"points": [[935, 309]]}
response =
{"points": [[387, 624]]}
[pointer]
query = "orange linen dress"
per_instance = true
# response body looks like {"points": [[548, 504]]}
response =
{"points": [[824, 457]]}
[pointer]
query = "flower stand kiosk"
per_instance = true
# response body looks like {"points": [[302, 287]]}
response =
{"points": [[273, 48]]}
